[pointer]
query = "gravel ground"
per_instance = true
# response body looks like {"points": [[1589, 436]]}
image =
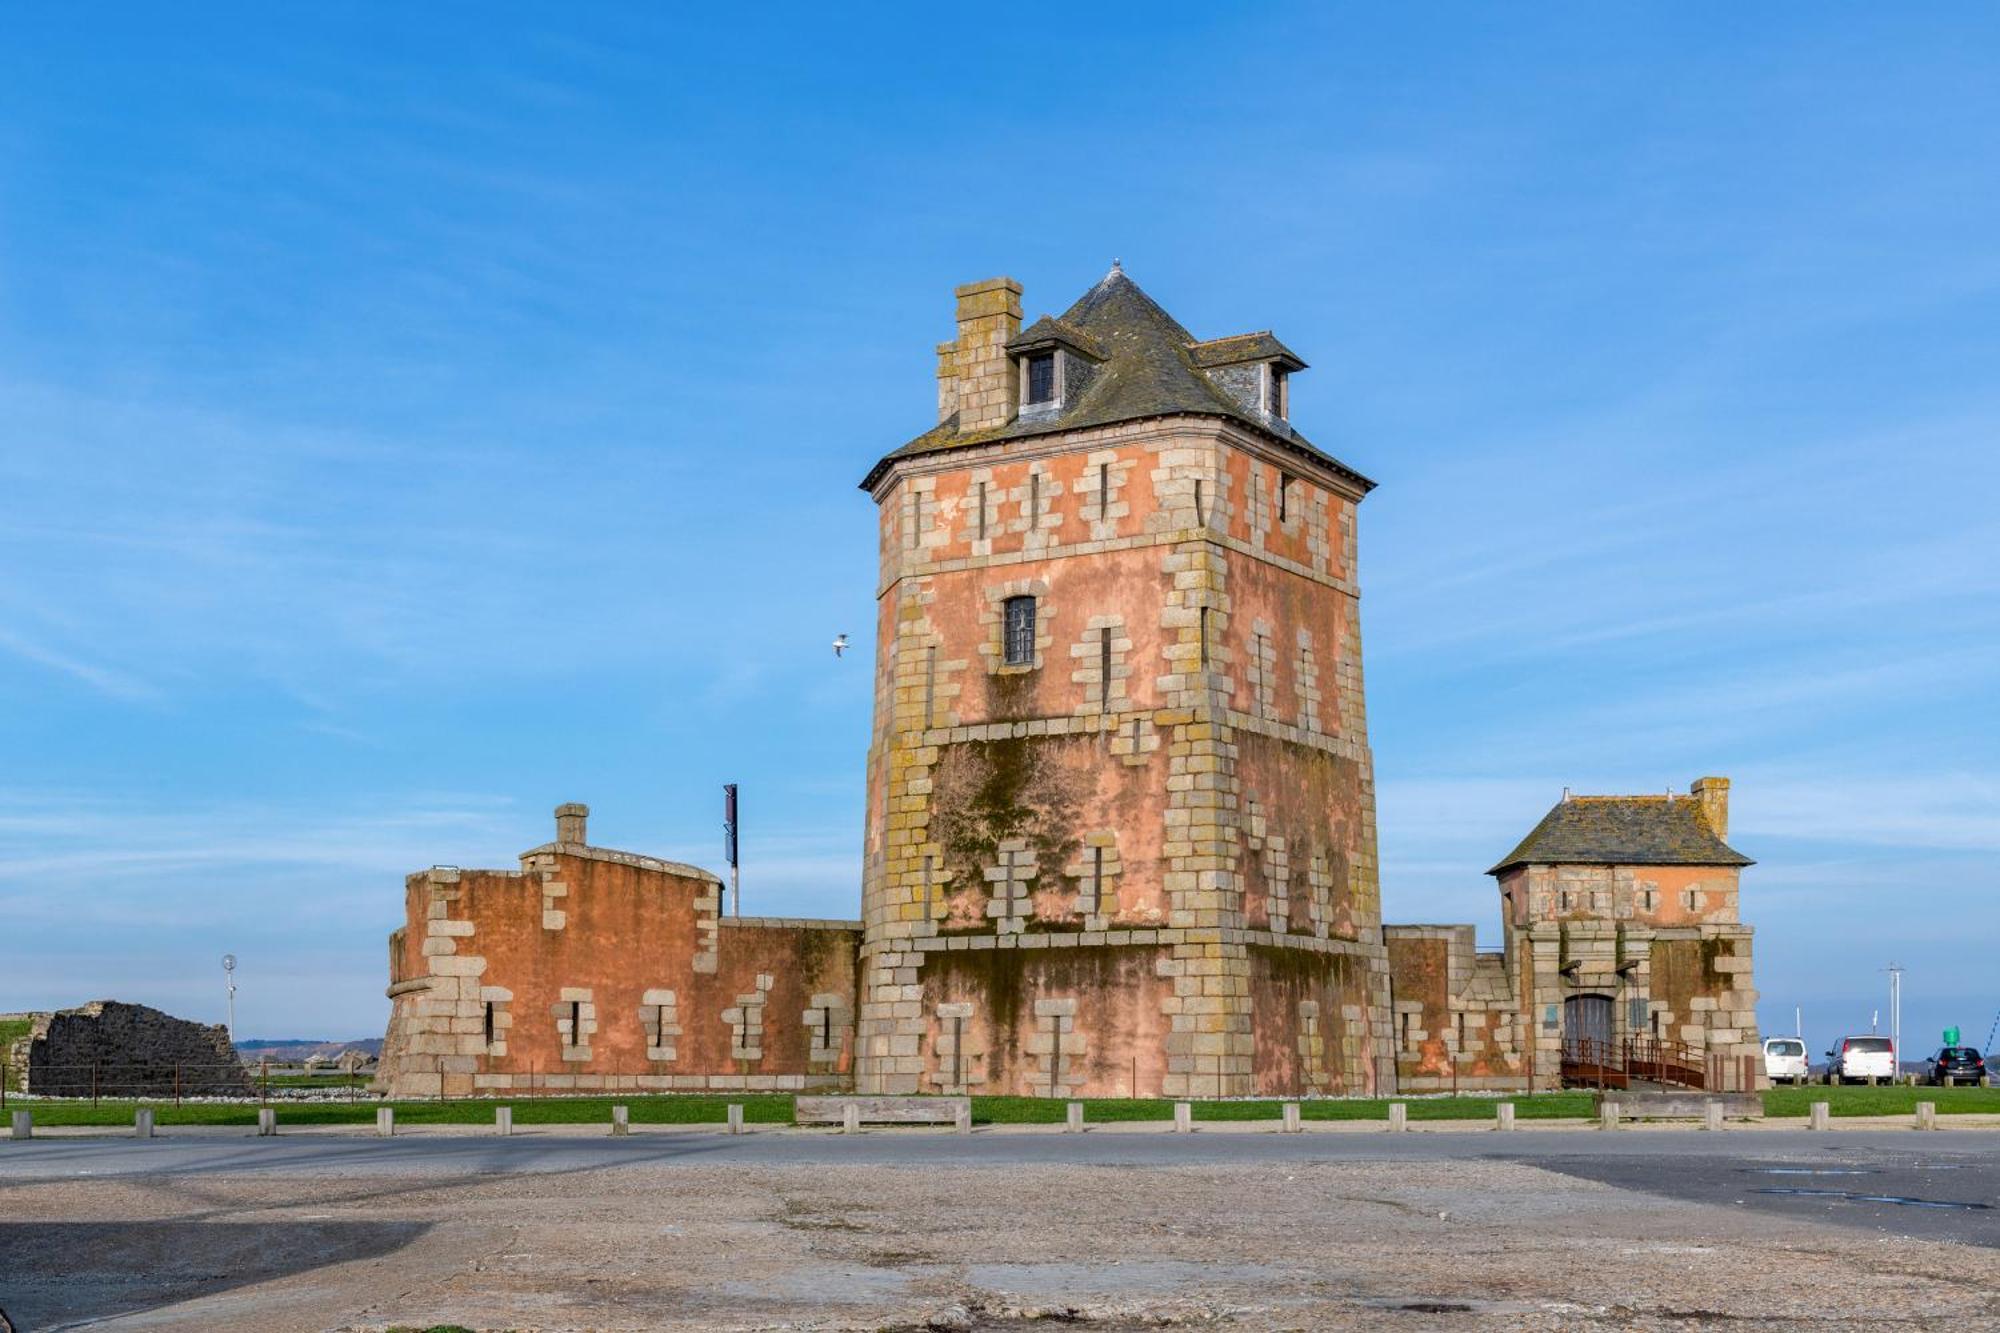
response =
{"points": [[1349, 1244]]}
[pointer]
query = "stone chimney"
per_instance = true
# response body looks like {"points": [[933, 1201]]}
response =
{"points": [[985, 391], [1713, 793], [570, 822]]}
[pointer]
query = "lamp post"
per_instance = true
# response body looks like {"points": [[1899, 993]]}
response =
{"points": [[229, 977]]}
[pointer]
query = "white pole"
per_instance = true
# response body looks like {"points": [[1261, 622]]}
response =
{"points": [[1798, 1020], [229, 976], [1896, 1016]]}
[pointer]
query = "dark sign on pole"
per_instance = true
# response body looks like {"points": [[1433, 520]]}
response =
{"points": [[729, 823]]}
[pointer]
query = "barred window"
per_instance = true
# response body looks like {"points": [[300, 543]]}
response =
{"points": [[1020, 631]]}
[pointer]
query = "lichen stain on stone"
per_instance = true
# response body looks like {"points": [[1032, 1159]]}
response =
{"points": [[989, 792]]}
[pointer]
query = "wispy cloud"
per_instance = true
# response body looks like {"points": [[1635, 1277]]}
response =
{"points": [[107, 681]]}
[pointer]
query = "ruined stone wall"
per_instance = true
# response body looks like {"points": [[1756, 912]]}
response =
{"points": [[111, 1049], [16, 1032], [590, 969], [1104, 795]]}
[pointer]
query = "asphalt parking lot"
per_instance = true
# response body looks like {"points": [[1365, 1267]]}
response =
{"points": [[664, 1229]]}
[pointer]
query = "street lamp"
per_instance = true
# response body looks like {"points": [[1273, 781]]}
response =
{"points": [[229, 976]]}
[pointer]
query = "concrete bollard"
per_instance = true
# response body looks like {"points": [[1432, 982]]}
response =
{"points": [[385, 1121], [142, 1123], [1399, 1117], [1504, 1117], [24, 1124], [1927, 1115], [736, 1117], [267, 1122], [850, 1118], [1183, 1118], [503, 1121], [961, 1117], [1608, 1116], [1292, 1125], [621, 1120], [1073, 1120], [1711, 1114], [1820, 1112]]}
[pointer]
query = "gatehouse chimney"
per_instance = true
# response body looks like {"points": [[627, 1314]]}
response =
{"points": [[570, 819], [1713, 793]]}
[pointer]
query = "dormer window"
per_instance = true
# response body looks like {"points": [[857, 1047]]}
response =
{"points": [[1041, 378], [1255, 371], [1055, 363]]}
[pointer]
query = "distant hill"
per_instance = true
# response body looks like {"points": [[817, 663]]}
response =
{"points": [[295, 1049]]}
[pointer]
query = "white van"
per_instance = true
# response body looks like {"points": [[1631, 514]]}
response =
{"points": [[1861, 1057], [1785, 1060]]}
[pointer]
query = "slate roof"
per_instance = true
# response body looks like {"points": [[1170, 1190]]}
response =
{"points": [[1149, 370], [1624, 830], [1245, 347]]}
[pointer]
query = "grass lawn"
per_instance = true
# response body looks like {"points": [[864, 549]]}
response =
{"points": [[1858, 1100], [1046, 1111], [335, 1082], [776, 1109], [685, 1110], [769, 1109]]}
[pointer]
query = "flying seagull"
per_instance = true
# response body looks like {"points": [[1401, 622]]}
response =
{"points": [[839, 644]]}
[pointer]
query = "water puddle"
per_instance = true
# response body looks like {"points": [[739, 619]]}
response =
{"points": [[1853, 1197]]}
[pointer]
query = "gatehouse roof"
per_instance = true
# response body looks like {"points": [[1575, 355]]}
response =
{"points": [[1624, 830]]}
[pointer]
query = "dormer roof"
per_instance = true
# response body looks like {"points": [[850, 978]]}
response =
{"points": [[1149, 366], [1048, 332], [1244, 347]]}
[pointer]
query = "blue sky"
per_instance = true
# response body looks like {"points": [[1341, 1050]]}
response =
{"points": [[413, 418]]}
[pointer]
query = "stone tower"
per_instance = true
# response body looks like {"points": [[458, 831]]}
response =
{"points": [[1120, 808]]}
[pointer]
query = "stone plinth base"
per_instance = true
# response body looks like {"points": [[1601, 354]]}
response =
{"points": [[1689, 1105]]}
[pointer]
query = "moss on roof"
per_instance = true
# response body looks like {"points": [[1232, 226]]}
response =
{"points": [[1149, 370], [1624, 830], [1243, 347]]}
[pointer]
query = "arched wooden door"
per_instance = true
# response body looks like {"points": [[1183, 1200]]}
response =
{"points": [[1587, 1025]]}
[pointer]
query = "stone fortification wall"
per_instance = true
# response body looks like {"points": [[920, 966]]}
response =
{"points": [[1458, 1021], [596, 970], [107, 1048]]}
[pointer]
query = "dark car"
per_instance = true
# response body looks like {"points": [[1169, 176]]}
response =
{"points": [[1956, 1064]]}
